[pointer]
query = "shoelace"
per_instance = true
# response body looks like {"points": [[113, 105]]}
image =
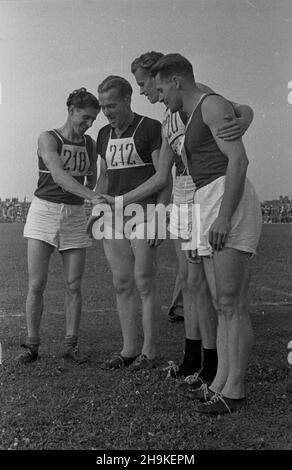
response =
{"points": [[140, 359], [74, 348], [205, 390], [172, 367], [215, 399], [190, 379]]}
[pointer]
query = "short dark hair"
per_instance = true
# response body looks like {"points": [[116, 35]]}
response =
{"points": [[146, 61], [114, 81], [82, 98], [172, 64]]}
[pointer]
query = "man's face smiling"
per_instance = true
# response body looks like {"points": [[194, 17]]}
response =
{"points": [[115, 108], [146, 83], [168, 93], [82, 119]]}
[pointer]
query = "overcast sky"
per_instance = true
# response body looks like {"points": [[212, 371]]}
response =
{"points": [[241, 48]]}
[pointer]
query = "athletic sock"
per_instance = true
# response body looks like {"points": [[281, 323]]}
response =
{"points": [[33, 341], [193, 356], [70, 341], [210, 363]]}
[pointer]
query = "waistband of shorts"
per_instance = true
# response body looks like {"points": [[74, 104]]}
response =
{"points": [[58, 204], [184, 181]]}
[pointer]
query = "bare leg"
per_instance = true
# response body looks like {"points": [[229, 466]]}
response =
{"points": [[200, 320], [203, 306], [73, 265], [145, 272], [222, 369], [121, 260], [176, 309], [200, 313], [38, 257], [192, 329], [232, 271]]}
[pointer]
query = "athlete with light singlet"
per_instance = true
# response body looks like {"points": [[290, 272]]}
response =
{"points": [[129, 147], [200, 317], [57, 219]]}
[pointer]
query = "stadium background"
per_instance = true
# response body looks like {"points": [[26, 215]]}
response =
{"points": [[275, 211]]}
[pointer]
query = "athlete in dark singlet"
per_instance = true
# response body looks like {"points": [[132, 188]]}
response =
{"points": [[129, 147], [56, 218], [230, 219]]}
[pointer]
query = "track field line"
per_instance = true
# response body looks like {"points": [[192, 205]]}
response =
{"points": [[163, 307], [269, 289], [275, 291]]}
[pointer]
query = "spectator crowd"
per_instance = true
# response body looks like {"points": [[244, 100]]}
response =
{"points": [[13, 210], [277, 211]]}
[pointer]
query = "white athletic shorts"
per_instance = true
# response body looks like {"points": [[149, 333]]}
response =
{"points": [[60, 225], [246, 222], [180, 220]]}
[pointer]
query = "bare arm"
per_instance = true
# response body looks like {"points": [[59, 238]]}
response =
{"points": [[102, 182], [48, 151], [164, 194], [214, 109], [99, 204], [245, 114], [234, 126], [158, 181], [91, 178]]}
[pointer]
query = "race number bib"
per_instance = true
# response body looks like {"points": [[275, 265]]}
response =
{"points": [[122, 153], [173, 129], [75, 160]]}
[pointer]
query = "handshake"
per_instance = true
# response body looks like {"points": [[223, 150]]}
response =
{"points": [[102, 199]]}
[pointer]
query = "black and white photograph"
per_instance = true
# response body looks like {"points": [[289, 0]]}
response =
{"points": [[146, 229]]}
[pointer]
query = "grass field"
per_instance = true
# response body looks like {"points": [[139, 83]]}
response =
{"points": [[53, 405]]}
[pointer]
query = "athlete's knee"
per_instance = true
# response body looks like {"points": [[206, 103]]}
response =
{"points": [[197, 283], [230, 304], [183, 279], [37, 286], [73, 286], [144, 283], [123, 285]]}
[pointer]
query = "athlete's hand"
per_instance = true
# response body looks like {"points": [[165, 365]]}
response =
{"points": [[192, 256], [218, 233], [232, 130], [108, 199], [97, 199]]}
